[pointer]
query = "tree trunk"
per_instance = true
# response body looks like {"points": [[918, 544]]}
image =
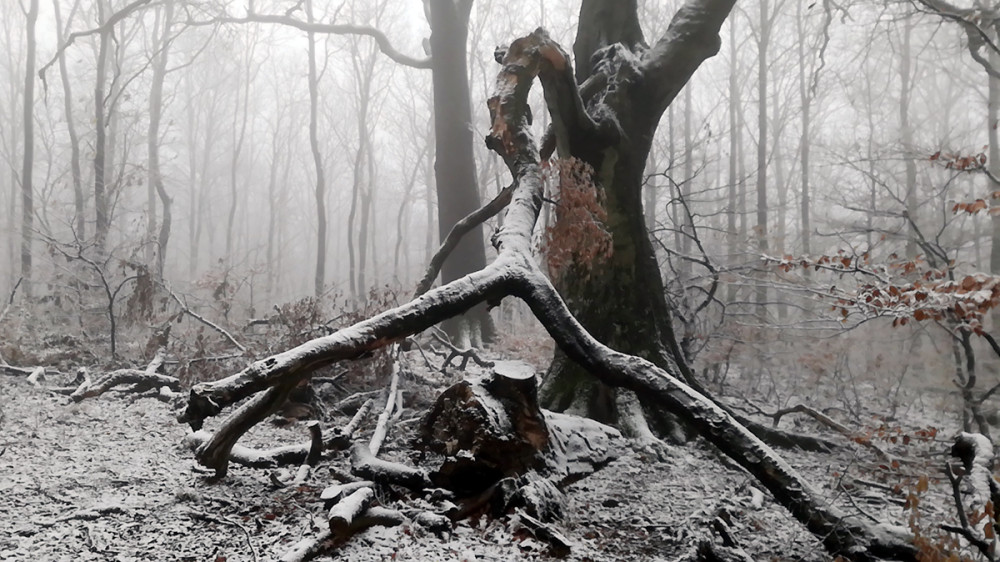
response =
{"points": [[735, 142], [100, 140], [272, 199], [155, 113], [606, 289], [239, 136], [79, 220], [764, 39], [993, 119], [430, 199], [805, 99], [906, 133], [455, 166], [27, 168], [320, 192], [686, 226]]}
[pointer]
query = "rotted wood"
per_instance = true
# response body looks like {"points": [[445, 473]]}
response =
{"points": [[487, 428]]}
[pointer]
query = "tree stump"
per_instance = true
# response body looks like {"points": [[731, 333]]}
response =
{"points": [[488, 428]]}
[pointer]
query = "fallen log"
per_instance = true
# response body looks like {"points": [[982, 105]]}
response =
{"points": [[285, 455], [333, 494], [343, 514], [142, 381], [366, 465]]}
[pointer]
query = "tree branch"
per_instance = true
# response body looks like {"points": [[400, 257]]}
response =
{"points": [[103, 28], [472, 220], [380, 38], [693, 37]]}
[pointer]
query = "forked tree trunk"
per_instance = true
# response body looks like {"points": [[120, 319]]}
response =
{"points": [[606, 288]]}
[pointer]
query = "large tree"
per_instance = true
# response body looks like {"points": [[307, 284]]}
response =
{"points": [[611, 129], [608, 121]]}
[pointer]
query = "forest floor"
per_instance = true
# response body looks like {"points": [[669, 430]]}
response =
{"points": [[110, 479]]}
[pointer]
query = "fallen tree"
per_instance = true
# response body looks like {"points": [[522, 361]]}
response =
{"points": [[691, 38]]}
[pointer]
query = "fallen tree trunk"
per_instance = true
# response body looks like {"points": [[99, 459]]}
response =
{"points": [[298, 453], [515, 273], [141, 381], [343, 514]]}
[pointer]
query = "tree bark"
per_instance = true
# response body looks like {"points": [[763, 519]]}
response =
{"points": [[764, 39], [805, 100], [735, 142], [100, 140], [642, 326], [906, 134], [993, 119]]}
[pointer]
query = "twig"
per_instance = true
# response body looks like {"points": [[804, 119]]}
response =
{"points": [[203, 320], [226, 521], [465, 354], [831, 423], [308, 548], [857, 507], [10, 301]]}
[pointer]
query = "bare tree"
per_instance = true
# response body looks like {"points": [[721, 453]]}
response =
{"points": [[455, 166], [28, 163], [79, 220], [320, 191], [161, 40]]}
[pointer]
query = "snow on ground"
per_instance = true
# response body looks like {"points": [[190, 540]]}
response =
{"points": [[109, 479]]}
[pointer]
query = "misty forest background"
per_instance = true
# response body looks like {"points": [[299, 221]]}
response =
{"points": [[821, 195], [811, 133]]}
